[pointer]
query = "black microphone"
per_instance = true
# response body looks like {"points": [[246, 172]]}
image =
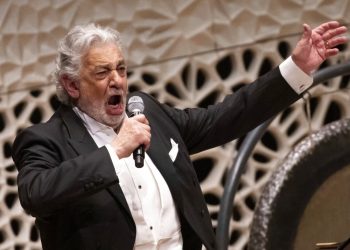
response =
{"points": [[135, 107]]}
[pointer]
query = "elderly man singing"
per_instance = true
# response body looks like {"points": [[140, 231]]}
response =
{"points": [[77, 174]]}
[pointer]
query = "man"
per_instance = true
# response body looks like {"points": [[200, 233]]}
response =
{"points": [[76, 171]]}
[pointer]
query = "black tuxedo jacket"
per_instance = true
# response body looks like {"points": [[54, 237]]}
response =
{"points": [[70, 185]]}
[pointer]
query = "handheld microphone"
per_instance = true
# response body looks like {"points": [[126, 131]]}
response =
{"points": [[135, 107]]}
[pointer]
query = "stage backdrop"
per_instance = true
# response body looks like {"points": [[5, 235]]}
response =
{"points": [[187, 53]]}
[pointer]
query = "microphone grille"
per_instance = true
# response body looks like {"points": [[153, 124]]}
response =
{"points": [[135, 103]]}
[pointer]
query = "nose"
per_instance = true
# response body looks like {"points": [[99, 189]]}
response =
{"points": [[115, 75], [118, 76]]}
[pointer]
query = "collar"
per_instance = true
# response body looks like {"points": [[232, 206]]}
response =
{"points": [[90, 123]]}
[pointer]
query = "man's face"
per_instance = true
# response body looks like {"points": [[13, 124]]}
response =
{"points": [[103, 84]]}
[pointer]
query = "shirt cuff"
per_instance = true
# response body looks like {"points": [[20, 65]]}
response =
{"points": [[294, 76], [115, 159]]}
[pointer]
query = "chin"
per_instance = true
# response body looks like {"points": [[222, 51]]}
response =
{"points": [[114, 121]]}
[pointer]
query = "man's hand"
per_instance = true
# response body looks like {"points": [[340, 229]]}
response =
{"points": [[134, 132], [316, 45]]}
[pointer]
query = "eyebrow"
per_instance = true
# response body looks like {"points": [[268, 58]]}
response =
{"points": [[110, 65]]}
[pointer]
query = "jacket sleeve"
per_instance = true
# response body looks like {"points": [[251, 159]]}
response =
{"points": [[48, 180], [237, 114]]}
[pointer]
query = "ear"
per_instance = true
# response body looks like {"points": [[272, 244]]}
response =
{"points": [[71, 86]]}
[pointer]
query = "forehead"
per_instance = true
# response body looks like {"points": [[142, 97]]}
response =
{"points": [[102, 53]]}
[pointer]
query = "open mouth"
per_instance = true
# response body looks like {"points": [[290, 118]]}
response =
{"points": [[114, 100], [115, 105]]}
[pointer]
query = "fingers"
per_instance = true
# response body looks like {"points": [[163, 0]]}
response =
{"points": [[331, 52], [329, 34], [142, 130], [318, 44], [141, 118], [134, 132], [326, 26], [307, 31], [330, 43]]}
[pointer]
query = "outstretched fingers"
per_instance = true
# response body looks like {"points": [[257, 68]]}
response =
{"points": [[323, 28], [335, 41], [334, 33], [331, 52]]}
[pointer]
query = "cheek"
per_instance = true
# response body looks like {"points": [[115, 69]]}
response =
{"points": [[125, 85], [96, 90], [91, 97]]}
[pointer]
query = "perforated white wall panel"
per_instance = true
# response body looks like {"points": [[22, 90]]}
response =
{"points": [[186, 53]]}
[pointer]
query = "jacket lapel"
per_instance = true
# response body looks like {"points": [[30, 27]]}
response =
{"points": [[82, 143], [79, 137], [159, 154]]}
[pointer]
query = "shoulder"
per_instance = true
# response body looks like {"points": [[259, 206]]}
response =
{"points": [[50, 129]]}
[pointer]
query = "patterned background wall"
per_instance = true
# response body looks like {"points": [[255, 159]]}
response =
{"points": [[187, 53]]}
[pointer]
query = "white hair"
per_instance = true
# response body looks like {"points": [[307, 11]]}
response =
{"points": [[72, 47]]}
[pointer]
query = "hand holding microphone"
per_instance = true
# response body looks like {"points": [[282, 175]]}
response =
{"points": [[134, 135], [136, 107]]}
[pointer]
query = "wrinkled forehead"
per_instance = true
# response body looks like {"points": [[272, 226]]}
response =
{"points": [[103, 54]]}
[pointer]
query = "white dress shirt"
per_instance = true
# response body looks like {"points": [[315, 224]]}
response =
{"points": [[295, 77], [146, 192]]}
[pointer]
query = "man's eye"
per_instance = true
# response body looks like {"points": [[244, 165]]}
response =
{"points": [[101, 73], [121, 70]]}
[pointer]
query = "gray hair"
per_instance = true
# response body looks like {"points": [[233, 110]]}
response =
{"points": [[72, 47]]}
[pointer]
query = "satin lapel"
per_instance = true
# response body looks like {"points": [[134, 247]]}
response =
{"points": [[80, 140], [116, 191], [160, 156], [82, 143]]}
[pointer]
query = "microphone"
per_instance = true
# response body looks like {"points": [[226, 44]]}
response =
{"points": [[135, 107]]}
